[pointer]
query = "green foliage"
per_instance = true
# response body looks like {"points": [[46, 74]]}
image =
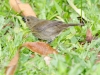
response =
{"points": [[73, 58]]}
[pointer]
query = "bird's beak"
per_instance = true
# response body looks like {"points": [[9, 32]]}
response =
{"points": [[23, 18]]}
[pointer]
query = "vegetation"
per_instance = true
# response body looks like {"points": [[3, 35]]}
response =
{"points": [[76, 56]]}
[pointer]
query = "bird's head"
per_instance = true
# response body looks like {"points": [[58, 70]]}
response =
{"points": [[30, 20]]}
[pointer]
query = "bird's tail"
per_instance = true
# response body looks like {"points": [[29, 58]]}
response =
{"points": [[80, 24]]}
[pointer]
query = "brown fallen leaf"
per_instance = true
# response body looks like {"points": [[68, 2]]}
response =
{"points": [[47, 60], [40, 47], [27, 10], [10, 69], [12, 65], [14, 5], [32, 56], [89, 36], [23, 8], [98, 58]]}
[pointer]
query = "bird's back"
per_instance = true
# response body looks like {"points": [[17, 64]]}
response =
{"points": [[48, 30]]}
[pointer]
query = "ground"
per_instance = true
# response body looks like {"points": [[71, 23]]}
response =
{"points": [[76, 56]]}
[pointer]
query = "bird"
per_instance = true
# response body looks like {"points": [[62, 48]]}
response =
{"points": [[46, 29]]}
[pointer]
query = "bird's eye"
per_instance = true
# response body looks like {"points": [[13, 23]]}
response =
{"points": [[28, 20]]}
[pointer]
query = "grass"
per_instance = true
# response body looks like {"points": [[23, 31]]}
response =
{"points": [[73, 58]]}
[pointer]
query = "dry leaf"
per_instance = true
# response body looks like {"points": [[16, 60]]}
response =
{"points": [[98, 58], [47, 60], [14, 5], [32, 56], [24, 8], [27, 10], [12, 65], [89, 36], [10, 69], [40, 47]]}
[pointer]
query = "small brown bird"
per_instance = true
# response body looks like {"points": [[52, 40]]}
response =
{"points": [[46, 29]]}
